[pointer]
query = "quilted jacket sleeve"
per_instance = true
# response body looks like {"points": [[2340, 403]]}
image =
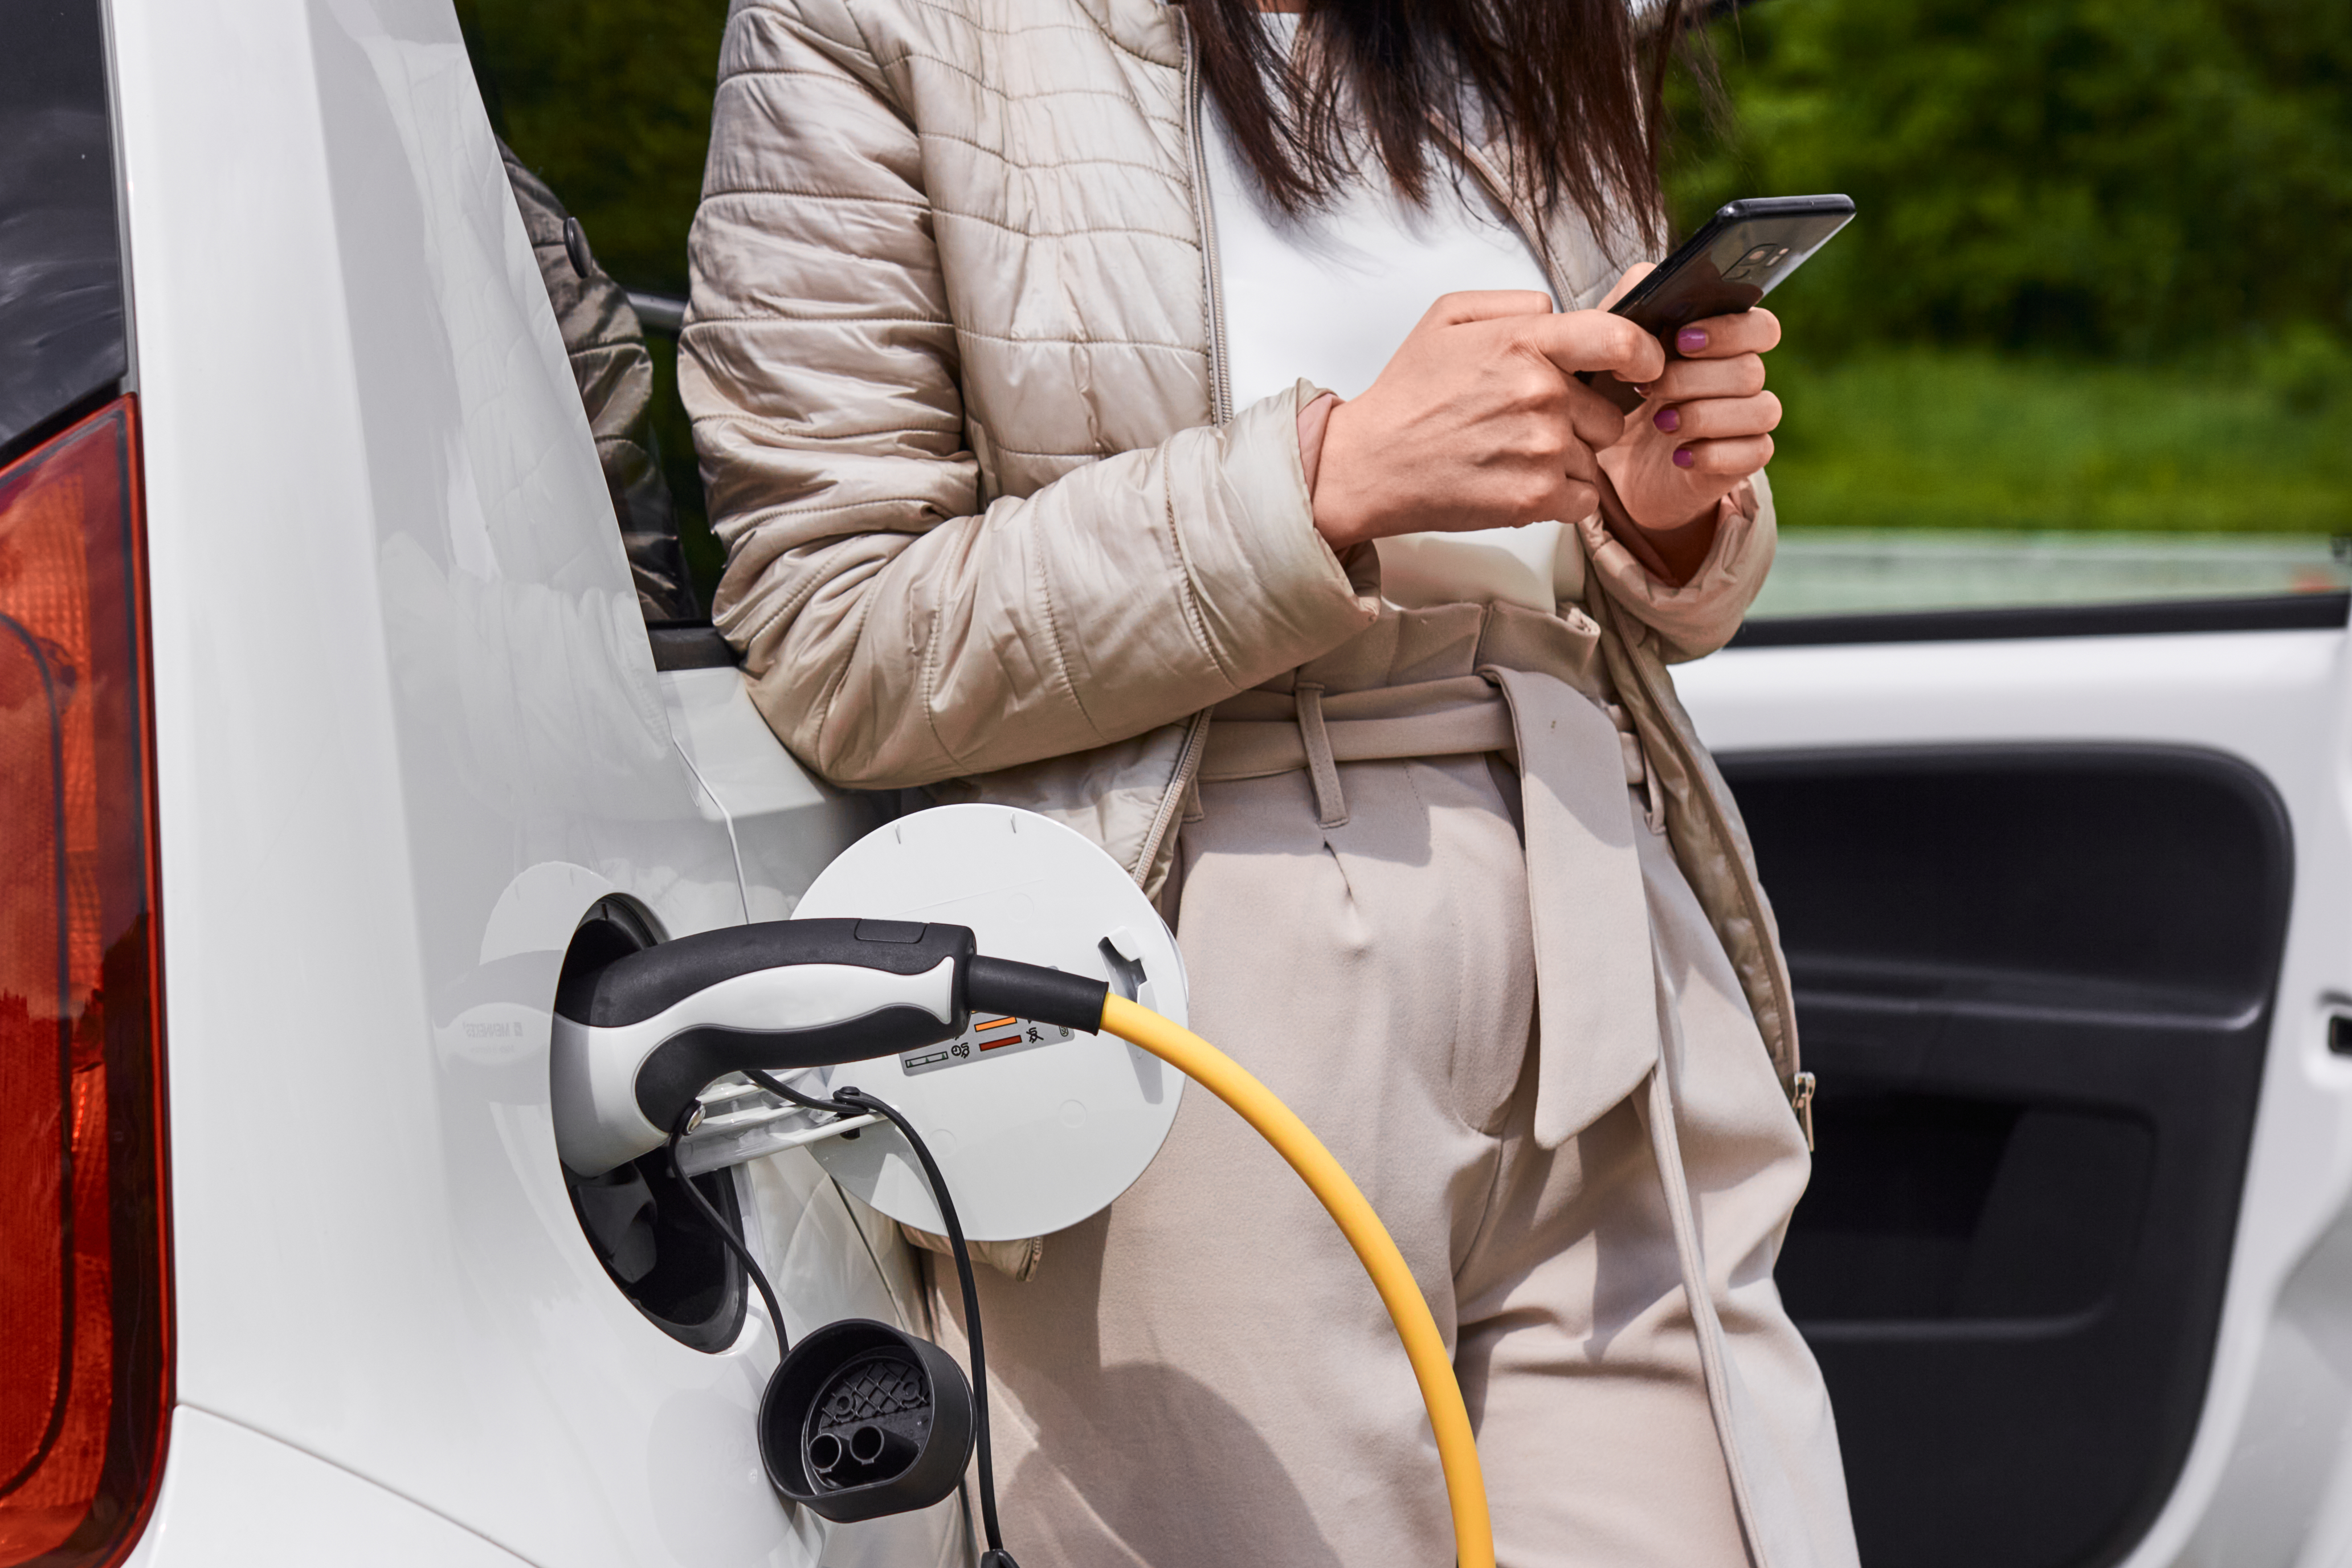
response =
{"points": [[897, 631], [1699, 616]]}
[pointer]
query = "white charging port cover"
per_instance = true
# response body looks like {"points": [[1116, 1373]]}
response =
{"points": [[1035, 1127]]}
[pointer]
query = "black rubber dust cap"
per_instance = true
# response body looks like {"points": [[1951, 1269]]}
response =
{"points": [[862, 1420]]}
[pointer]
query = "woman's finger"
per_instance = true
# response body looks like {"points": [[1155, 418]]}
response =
{"points": [[1737, 458], [1568, 501], [1719, 419], [1742, 375], [1579, 341], [1592, 418], [1484, 305], [1752, 332]]}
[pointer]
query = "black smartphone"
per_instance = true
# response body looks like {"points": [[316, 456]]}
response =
{"points": [[1741, 254]]}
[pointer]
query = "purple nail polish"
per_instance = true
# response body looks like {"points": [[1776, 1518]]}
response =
{"points": [[1690, 339], [1683, 457], [1669, 419]]}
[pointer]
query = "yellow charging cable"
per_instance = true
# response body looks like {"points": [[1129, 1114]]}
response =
{"points": [[1457, 1450]]}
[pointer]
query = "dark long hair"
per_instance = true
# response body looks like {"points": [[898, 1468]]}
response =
{"points": [[1572, 86]]}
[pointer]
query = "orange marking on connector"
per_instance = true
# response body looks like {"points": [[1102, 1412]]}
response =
{"points": [[984, 1024]]}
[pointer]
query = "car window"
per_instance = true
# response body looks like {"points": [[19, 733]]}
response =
{"points": [[62, 329], [608, 102], [2087, 341]]}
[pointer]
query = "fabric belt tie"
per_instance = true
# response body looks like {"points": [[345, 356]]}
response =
{"points": [[1435, 718], [1597, 1023]]}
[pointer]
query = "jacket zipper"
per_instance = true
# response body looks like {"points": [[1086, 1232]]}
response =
{"points": [[1221, 411], [1221, 397], [1180, 784], [1801, 1099]]}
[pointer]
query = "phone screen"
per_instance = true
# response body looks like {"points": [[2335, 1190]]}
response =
{"points": [[1745, 251]]}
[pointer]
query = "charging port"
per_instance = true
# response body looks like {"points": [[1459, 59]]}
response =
{"points": [[637, 1217]]}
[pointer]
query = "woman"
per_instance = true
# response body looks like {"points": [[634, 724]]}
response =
{"points": [[1001, 314]]}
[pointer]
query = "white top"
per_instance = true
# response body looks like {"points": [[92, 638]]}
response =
{"points": [[1331, 296]]}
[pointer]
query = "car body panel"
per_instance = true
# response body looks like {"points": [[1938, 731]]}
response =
{"points": [[234, 1495], [409, 731], [786, 826]]}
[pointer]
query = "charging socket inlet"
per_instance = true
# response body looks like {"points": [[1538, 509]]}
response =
{"points": [[861, 1420]]}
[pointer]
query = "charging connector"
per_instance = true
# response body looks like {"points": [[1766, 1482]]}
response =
{"points": [[636, 1040], [1027, 991]]}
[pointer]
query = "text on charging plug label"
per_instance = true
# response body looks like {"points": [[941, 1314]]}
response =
{"points": [[985, 1039]]}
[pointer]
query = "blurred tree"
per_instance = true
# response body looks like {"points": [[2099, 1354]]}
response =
{"points": [[609, 102], [2143, 178]]}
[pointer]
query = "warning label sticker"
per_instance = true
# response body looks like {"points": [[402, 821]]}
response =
{"points": [[986, 1038]]}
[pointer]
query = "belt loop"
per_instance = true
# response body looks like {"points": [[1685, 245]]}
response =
{"points": [[1330, 804]]}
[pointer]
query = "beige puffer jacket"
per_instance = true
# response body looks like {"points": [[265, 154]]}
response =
{"points": [[953, 360]]}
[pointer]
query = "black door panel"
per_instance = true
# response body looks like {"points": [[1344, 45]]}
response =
{"points": [[2035, 984]]}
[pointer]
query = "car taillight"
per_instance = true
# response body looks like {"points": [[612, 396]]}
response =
{"points": [[85, 1368]]}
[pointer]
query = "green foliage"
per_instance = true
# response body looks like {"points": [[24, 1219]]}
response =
{"points": [[2306, 369], [2102, 273], [2150, 179], [609, 102], [1965, 438], [2050, 190]]}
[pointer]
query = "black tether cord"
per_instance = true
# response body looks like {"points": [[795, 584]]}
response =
{"points": [[725, 1232], [864, 1101], [783, 1090], [857, 1101]]}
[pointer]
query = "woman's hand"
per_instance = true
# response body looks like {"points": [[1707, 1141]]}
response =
{"points": [[1478, 421], [1705, 424]]}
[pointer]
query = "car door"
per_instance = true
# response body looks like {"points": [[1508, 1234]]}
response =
{"points": [[2063, 891]]}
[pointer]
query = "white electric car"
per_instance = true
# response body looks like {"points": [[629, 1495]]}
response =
{"points": [[330, 718]]}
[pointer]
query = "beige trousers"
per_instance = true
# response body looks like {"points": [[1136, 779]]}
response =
{"points": [[1202, 1376]]}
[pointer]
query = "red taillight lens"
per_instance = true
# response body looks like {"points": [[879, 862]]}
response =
{"points": [[84, 1322]]}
